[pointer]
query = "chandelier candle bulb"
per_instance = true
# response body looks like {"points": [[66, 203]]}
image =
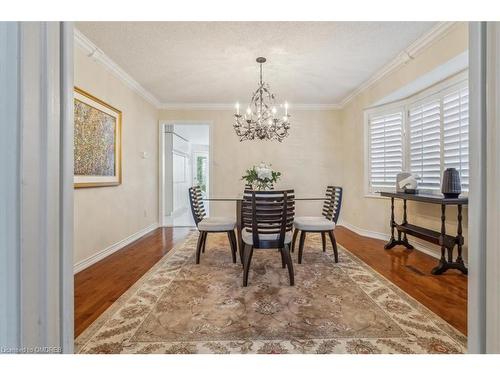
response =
{"points": [[237, 108]]}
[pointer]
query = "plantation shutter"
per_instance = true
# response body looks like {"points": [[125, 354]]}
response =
{"points": [[386, 150], [456, 133], [425, 143]]}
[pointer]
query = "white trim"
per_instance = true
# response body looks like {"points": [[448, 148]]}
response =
{"points": [[493, 195], [81, 265], [403, 57], [10, 185], [385, 237], [66, 186], [476, 301], [36, 253], [94, 52], [231, 106], [437, 32]]}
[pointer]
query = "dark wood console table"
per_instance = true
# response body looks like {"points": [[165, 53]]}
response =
{"points": [[446, 241]]}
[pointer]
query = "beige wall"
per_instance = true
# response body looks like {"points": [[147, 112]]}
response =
{"points": [[107, 215], [310, 158], [372, 214]]}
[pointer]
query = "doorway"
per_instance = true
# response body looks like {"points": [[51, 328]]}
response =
{"points": [[186, 162]]}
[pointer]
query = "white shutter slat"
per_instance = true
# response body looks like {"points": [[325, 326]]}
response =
{"points": [[425, 142], [456, 133], [385, 149]]}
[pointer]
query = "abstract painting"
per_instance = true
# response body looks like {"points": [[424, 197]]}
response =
{"points": [[97, 142]]}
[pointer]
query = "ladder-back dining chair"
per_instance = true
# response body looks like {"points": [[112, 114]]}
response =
{"points": [[207, 225], [267, 224], [320, 224]]}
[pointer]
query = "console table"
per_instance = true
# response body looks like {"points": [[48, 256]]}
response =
{"points": [[446, 241]]}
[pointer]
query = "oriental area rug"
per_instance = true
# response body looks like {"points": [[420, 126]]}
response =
{"points": [[346, 307]]}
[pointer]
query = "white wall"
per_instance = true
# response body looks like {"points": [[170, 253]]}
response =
{"points": [[106, 215]]}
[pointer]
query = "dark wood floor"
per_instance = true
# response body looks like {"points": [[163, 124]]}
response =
{"points": [[446, 295], [98, 286]]}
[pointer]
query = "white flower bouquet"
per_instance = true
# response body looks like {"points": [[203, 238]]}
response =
{"points": [[261, 177]]}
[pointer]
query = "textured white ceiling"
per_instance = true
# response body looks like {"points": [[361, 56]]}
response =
{"points": [[214, 62]]}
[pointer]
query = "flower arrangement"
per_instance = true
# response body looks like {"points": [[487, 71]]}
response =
{"points": [[261, 177]]}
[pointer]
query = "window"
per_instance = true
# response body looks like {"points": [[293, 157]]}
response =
{"points": [[386, 149], [425, 134], [424, 121], [456, 133]]}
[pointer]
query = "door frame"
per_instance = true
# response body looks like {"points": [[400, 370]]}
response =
{"points": [[484, 200], [162, 124], [36, 183]]}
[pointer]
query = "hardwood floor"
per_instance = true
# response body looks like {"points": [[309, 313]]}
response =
{"points": [[98, 286], [445, 295]]}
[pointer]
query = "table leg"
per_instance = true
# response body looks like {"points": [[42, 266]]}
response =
{"points": [[392, 240], [441, 267], [239, 227], [400, 241], [405, 221], [460, 241]]}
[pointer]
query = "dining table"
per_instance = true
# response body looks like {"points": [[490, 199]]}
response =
{"points": [[238, 199]]}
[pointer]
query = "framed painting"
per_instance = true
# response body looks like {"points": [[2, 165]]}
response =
{"points": [[97, 142]]}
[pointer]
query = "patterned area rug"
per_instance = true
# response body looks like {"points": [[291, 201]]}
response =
{"points": [[181, 307]]}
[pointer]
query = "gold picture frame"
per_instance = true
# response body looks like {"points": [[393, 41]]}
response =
{"points": [[98, 142]]}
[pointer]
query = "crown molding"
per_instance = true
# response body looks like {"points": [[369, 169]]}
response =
{"points": [[230, 106], [94, 52], [402, 58]]}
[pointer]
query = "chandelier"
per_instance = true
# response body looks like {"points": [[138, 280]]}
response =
{"points": [[261, 119]]}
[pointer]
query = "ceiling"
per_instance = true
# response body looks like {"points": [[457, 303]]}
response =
{"points": [[214, 62]]}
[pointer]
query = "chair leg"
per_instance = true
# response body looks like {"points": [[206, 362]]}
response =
{"points": [[301, 245], [289, 264], [248, 259], [204, 242], [323, 240], [334, 244], [232, 243], [199, 246], [294, 238], [283, 262]]}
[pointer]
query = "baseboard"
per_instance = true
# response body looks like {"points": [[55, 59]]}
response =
{"points": [[81, 265], [385, 237]]}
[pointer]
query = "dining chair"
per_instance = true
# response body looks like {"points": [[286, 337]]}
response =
{"points": [[207, 225], [320, 224], [267, 224]]}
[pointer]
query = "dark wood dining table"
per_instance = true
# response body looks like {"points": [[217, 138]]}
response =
{"points": [[239, 199]]}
